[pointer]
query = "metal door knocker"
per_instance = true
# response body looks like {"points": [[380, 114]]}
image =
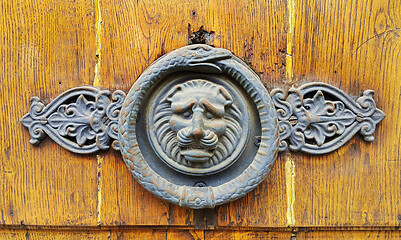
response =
{"points": [[198, 128]]}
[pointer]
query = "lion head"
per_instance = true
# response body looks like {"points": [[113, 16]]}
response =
{"points": [[197, 123]]}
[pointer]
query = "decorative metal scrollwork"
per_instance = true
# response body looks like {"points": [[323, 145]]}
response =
{"points": [[198, 128], [318, 118], [82, 120]]}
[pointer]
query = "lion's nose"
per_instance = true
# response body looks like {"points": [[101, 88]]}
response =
{"points": [[197, 125]]}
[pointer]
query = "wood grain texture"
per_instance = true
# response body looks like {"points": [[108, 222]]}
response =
{"points": [[45, 48], [19, 234], [149, 234], [135, 33], [153, 234], [139, 234], [243, 235], [354, 45], [349, 235]]}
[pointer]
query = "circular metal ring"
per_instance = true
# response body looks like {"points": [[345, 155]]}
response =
{"points": [[200, 62]]}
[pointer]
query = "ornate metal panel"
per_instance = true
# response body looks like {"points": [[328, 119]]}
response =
{"points": [[82, 119], [198, 128], [311, 123]]}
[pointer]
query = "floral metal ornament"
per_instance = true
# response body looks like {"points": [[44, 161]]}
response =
{"points": [[82, 120], [198, 128], [316, 125]]}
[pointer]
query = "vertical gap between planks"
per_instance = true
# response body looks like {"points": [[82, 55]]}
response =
{"points": [[99, 188], [96, 83], [289, 162], [290, 187], [98, 28], [290, 38]]}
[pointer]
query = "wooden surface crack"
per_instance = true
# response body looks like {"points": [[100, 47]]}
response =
{"points": [[98, 27], [99, 189], [290, 39], [96, 83], [290, 187], [289, 162]]}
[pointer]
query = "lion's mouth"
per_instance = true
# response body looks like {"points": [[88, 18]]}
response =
{"points": [[197, 154]]}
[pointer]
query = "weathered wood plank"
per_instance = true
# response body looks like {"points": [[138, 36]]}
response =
{"points": [[45, 48], [242, 235], [186, 234], [135, 33], [354, 45], [150, 234], [145, 234], [191, 234], [19, 234], [50, 46], [351, 235]]}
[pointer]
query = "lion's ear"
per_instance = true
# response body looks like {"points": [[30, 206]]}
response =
{"points": [[172, 92], [226, 95]]}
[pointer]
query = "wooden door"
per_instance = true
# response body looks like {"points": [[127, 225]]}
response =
{"points": [[47, 47]]}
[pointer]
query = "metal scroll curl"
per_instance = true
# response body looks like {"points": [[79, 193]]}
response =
{"points": [[318, 118], [82, 120]]}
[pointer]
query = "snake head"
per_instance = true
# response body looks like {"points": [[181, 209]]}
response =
{"points": [[202, 55]]}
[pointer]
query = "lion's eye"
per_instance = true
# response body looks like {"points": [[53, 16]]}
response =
{"points": [[187, 114], [209, 115]]}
